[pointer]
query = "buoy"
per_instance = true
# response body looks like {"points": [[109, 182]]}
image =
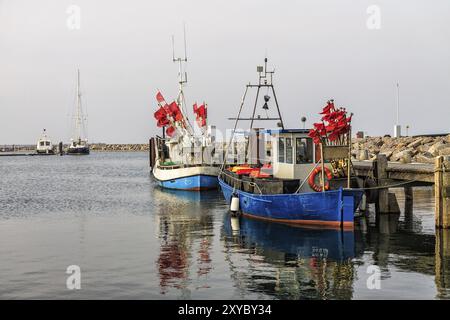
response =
{"points": [[234, 205]]}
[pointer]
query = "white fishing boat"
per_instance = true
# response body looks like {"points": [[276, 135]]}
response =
{"points": [[182, 159], [44, 144], [78, 142]]}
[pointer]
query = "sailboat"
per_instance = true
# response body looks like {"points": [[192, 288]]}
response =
{"points": [[78, 142]]}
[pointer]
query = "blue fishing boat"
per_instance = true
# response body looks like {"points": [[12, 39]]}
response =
{"points": [[293, 176], [334, 208]]}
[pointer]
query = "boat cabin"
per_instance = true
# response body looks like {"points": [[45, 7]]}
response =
{"points": [[293, 153], [44, 144]]}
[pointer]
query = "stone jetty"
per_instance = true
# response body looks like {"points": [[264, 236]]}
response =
{"points": [[421, 149], [118, 147]]}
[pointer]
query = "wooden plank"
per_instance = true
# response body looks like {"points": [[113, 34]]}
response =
{"points": [[410, 176], [398, 171]]}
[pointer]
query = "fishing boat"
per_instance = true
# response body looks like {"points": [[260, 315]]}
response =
{"points": [[294, 176], [44, 145], [183, 158], [79, 142]]}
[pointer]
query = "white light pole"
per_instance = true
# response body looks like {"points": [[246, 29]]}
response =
{"points": [[398, 127]]}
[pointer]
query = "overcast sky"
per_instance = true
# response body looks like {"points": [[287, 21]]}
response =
{"points": [[320, 49]]}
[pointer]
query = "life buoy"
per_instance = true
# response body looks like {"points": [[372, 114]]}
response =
{"points": [[312, 179]]}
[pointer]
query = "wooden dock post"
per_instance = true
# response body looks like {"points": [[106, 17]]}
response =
{"points": [[442, 193], [381, 164]]}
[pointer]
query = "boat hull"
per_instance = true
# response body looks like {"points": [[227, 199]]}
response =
{"points": [[75, 151], [195, 178], [45, 152], [333, 208]]}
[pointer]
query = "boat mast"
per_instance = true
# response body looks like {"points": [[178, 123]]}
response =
{"points": [[78, 114], [265, 80], [182, 80]]}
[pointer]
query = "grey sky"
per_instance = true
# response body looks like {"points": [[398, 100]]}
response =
{"points": [[320, 49]]}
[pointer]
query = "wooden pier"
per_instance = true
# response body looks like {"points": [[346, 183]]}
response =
{"points": [[379, 175]]}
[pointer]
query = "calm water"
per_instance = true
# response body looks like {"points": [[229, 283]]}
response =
{"points": [[131, 239]]}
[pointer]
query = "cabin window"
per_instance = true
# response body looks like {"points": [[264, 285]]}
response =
{"points": [[280, 149], [41, 143], [47, 143], [303, 150], [288, 150]]}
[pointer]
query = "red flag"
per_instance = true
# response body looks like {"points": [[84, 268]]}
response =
{"points": [[201, 111], [170, 131], [329, 107], [200, 114], [160, 113], [163, 122], [175, 111], [160, 98]]}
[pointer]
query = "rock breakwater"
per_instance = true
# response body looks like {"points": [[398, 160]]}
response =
{"points": [[421, 149]]}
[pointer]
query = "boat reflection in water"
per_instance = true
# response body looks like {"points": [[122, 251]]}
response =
{"points": [[186, 232], [298, 262]]}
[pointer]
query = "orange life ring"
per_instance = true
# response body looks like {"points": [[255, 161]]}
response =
{"points": [[312, 179]]}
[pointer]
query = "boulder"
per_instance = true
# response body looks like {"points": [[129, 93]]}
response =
{"points": [[415, 143], [425, 158], [445, 151], [434, 149], [388, 154], [406, 157], [399, 155], [447, 139], [363, 155]]}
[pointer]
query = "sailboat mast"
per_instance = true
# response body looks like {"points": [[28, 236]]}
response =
{"points": [[78, 114]]}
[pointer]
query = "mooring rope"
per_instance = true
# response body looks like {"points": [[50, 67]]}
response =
{"points": [[387, 186]]}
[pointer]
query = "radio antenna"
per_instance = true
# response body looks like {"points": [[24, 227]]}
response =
{"points": [[184, 33], [173, 48], [182, 75]]}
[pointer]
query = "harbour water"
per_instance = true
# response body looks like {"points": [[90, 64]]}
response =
{"points": [[132, 240]]}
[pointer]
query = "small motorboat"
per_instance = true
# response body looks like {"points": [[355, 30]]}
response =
{"points": [[44, 145]]}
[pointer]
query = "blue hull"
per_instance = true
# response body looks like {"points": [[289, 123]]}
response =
{"points": [[193, 183], [330, 208]]}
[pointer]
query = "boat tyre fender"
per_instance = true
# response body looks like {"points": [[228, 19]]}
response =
{"points": [[234, 203], [312, 179]]}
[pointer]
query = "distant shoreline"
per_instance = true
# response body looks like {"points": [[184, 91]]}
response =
{"points": [[422, 149], [100, 147]]}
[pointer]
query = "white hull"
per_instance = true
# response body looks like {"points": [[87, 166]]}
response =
{"points": [[200, 177], [176, 173]]}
